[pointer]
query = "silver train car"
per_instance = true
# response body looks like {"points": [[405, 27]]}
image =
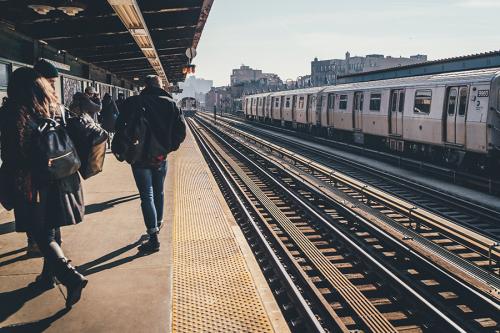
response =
{"points": [[454, 117]]}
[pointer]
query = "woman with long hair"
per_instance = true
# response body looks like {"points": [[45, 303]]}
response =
{"points": [[41, 206]]}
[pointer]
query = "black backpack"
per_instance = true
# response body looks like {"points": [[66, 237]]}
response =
{"points": [[129, 144], [54, 154]]}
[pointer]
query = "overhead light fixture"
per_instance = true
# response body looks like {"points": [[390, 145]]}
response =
{"points": [[131, 16], [41, 9], [139, 32], [71, 8], [136, 78]]}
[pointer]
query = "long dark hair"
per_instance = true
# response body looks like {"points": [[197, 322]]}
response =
{"points": [[28, 90]]}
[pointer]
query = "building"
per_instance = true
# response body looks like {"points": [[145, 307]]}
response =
{"points": [[325, 72], [245, 74], [220, 97], [195, 87]]}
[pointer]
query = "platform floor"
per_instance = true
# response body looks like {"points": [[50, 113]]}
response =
{"points": [[204, 279]]}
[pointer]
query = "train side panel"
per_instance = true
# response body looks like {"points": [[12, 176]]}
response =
{"points": [[301, 109], [276, 109], [477, 114], [287, 108], [424, 128], [376, 112], [493, 131], [342, 117]]}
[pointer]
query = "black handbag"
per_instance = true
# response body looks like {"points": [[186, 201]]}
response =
{"points": [[6, 189], [54, 153], [90, 142]]}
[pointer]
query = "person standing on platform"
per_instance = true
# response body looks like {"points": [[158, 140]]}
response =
{"points": [[120, 100], [94, 98], [48, 71], [164, 132], [42, 203], [109, 114], [215, 114]]}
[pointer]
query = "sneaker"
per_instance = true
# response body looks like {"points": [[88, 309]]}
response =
{"points": [[33, 250], [151, 246]]}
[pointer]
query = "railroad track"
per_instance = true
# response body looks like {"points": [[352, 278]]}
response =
{"points": [[462, 211], [485, 184], [351, 276], [433, 220]]}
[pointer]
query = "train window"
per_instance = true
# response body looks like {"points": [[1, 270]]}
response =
{"points": [[423, 100], [394, 101], [463, 98], [452, 101], [260, 101], [375, 102], [4, 75], [276, 102], [301, 102], [343, 102], [401, 101], [287, 103]]}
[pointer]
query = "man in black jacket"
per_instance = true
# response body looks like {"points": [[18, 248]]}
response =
{"points": [[165, 131]]}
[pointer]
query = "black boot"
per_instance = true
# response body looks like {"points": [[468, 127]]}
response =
{"points": [[46, 280], [74, 281], [152, 245]]}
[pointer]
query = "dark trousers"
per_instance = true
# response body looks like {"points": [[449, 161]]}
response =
{"points": [[150, 183]]}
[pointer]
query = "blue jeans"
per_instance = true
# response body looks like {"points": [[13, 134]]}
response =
{"points": [[150, 183]]}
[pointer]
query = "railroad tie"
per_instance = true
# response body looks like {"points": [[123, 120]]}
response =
{"points": [[370, 315]]}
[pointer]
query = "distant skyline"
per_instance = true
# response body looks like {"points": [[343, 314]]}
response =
{"points": [[284, 36]]}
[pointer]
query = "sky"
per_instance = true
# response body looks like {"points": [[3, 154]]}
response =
{"points": [[284, 36]]}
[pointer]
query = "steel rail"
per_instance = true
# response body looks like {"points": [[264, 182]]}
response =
{"points": [[471, 207], [410, 209], [361, 305], [410, 233], [347, 239], [297, 294]]}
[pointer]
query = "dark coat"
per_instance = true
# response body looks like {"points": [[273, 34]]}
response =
{"points": [[36, 202], [163, 115], [109, 114]]}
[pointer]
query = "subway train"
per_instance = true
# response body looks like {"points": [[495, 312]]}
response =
{"points": [[189, 106], [453, 118]]}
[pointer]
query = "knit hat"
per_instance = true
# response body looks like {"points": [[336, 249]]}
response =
{"points": [[46, 69]]}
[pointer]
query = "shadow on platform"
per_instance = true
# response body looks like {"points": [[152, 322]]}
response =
{"points": [[35, 326], [7, 228], [98, 265], [102, 206]]}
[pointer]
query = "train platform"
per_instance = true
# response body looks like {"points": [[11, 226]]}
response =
{"points": [[205, 277]]}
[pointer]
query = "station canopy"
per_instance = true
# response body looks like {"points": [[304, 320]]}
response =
{"points": [[130, 38]]}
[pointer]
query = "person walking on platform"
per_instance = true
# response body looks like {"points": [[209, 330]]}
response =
{"points": [[44, 196], [94, 98], [148, 128], [109, 114], [48, 71], [120, 100], [82, 103]]}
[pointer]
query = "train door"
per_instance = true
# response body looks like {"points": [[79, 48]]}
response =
{"points": [[282, 104], [357, 114], [294, 107], [309, 109], [456, 114], [396, 108]]}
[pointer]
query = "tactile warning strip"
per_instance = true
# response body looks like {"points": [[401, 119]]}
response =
{"points": [[213, 290]]}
